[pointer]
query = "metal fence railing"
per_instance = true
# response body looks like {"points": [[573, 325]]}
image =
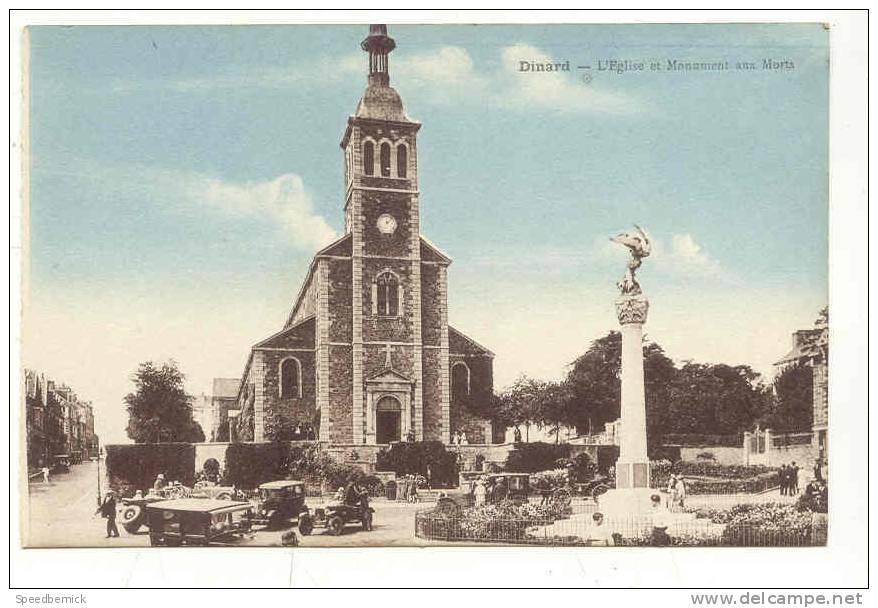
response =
{"points": [[632, 532]]}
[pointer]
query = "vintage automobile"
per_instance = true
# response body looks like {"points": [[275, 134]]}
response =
{"points": [[132, 509], [197, 521], [279, 502], [508, 486], [61, 463], [334, 517]]}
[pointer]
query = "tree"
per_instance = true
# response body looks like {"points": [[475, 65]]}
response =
{"points": [[793, 409], [594, 386], [715, 399], [159, 410], [521, 403]]}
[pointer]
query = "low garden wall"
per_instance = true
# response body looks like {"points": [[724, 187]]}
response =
{"points": [[719, 455]]}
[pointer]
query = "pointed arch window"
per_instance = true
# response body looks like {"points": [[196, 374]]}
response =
{"points": [[385, 159], [460, 380], [402, 159], [369, 158], [386, 295], [290, 378]]}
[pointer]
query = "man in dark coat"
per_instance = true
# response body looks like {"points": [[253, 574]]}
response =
{"points": [[784, 480], [108, 511]]}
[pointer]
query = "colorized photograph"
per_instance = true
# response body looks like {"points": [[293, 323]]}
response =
{"points": [[425, 285]]}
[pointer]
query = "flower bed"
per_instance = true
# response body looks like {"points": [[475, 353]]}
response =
{"points": [[502, 522], [769, 524], [711, 478]]}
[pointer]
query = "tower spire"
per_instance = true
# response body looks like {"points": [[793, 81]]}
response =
{"points": [[379, 45]]}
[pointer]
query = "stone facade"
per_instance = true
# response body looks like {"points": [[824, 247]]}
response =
{"points": [[369, 328]]}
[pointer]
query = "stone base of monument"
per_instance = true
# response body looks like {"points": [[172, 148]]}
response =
{"points": [[621, 503]]}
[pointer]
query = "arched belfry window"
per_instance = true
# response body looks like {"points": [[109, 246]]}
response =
{"points": [[460, 380], [290, 378], [402, 159], [385, 159], [386, 295], [369, 158]]}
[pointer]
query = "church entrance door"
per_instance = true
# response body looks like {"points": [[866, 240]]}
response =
{"points": [[388, 420]]}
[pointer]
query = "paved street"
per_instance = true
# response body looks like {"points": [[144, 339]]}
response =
{"points": [[62, 515]]}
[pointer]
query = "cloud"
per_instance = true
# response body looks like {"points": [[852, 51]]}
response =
{"points": [[282, 199], [555, 90], [689, 254]]}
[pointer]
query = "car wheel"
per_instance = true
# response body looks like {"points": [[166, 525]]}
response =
{"points": [[335, 525], [367, 521], [131, 516], [306, 525]]}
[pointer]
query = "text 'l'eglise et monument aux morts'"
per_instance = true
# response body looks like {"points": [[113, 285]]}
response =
{"points": [[366, 355]]}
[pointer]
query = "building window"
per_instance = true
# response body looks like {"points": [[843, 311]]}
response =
{"points": [[385, 159], [402, 159], [387, 295], [369, 158], [460, 380], [290, 378]]}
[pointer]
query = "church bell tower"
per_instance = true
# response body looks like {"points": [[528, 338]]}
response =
{"points": [[382, 216]]}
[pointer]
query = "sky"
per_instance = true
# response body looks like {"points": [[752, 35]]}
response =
{"points": [[181, 178]]}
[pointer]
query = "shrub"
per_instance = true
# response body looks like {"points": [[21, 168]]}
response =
{"points": [[413, 458], [533, 457], [307, 462], [134, 467]]}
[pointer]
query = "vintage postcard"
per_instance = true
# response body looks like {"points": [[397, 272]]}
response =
{"points": [[426, 285]]}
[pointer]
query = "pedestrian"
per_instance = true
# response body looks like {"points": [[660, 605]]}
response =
{"points": [[108, 511], [672, 492], [681, 492], [794, 478], [516, 435], [599, 534], [45, 472], [784, 483], [660, 523], [463, 439], [480, 492]]}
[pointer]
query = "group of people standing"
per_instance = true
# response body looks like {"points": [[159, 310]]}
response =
{"points": [[407, 488], [459, 438], [676, 492], [789, 479]]}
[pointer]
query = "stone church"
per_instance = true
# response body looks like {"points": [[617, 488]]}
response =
{"points": [[366, 355]]}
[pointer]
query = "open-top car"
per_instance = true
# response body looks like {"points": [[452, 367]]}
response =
{"points": [[197, 521], [334, 517], [279, 502]]}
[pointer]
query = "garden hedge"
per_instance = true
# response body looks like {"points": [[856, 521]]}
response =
{"points": [[135, 466], [533, 457], [251, 464]]}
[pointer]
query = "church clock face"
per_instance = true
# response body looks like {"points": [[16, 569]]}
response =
{"points": [[386, 224]]}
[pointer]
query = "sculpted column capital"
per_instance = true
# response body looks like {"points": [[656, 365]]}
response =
{"points": [[632, 309]]}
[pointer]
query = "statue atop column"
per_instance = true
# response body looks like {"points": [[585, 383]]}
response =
{"points": [[639, 246], [632, 306]]}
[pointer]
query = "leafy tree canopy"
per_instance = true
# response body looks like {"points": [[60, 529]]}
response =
{"points": [[159, 410]]}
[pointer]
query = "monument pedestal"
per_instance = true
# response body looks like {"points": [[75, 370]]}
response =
{"points": [[632, 493], [622, 503]]}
